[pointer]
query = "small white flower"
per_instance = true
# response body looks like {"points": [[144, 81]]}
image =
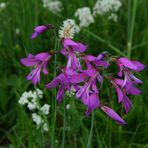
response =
{"points": [[45, 127], [71, 92], [17, 31], [39, 93], [68, 106], [45, 109], [2, 5], [113, 17], [23, 99], [85, 16], [68, 29], [53, 6], [37, 119], [31, 106]]}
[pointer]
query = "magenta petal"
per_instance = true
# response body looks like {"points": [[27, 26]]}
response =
{"points": [[93, 101], [75, 45], [60, 93], [78, 78], [127, 63], [34, 35], [44, 56], [83, 90], [101, 55], [55, 81], [102, 63], [34, 76], [29, 62], [139, 65], [69, 42], [127, 104], [90, 72], [80, 47], [45, 71], [111, 113], [90, 58], [131, 89], [40, 29], [135, 79], [120, 82], [63, 51], [119, 92]]}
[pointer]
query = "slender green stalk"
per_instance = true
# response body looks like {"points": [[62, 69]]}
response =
{"points": [[104, 41], [54, 100], [64, 124], [91, 129], [131, 28], [140, 45]]}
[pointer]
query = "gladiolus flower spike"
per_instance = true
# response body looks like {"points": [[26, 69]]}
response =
{"points": [[83, 75]]}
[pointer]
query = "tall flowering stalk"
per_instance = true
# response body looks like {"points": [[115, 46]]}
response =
{"points": [[83, 74]]}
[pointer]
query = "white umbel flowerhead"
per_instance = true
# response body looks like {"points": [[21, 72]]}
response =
{"points": [[68, 29], [2, 5], [45, 109], [37, 119], [30, 99], [106, 6], [85, 17], [53, 6]]}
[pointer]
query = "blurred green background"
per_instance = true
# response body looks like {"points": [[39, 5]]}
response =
{"points": [[17, 130]]}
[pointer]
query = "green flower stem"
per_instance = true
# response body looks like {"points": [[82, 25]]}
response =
{"points": [[131, 26], [54, 102], [64, 124], [140, 45], [91, 129], [104, 41]]}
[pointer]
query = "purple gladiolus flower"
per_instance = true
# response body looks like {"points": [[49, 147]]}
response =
{"points": [[40, 29], [66, 80], [126, 64], [71, 50], [112, 114], [92, 103], [122, 92], [89, 93], [98, 61], [126, 68], [38, 61]]}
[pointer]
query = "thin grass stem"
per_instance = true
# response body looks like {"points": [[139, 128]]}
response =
{"points": [[104, 41], [64, 124], [91, 129], [131, 30]]}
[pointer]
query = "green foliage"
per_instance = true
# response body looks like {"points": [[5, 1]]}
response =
{"points": [[16, 127]]}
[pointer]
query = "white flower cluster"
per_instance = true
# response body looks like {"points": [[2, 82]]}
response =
{"points": [[104, 6], [68, 29], [39, 121], [53, 6], [2, 5], [71, 92], [31, 100], [85, 16]]}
